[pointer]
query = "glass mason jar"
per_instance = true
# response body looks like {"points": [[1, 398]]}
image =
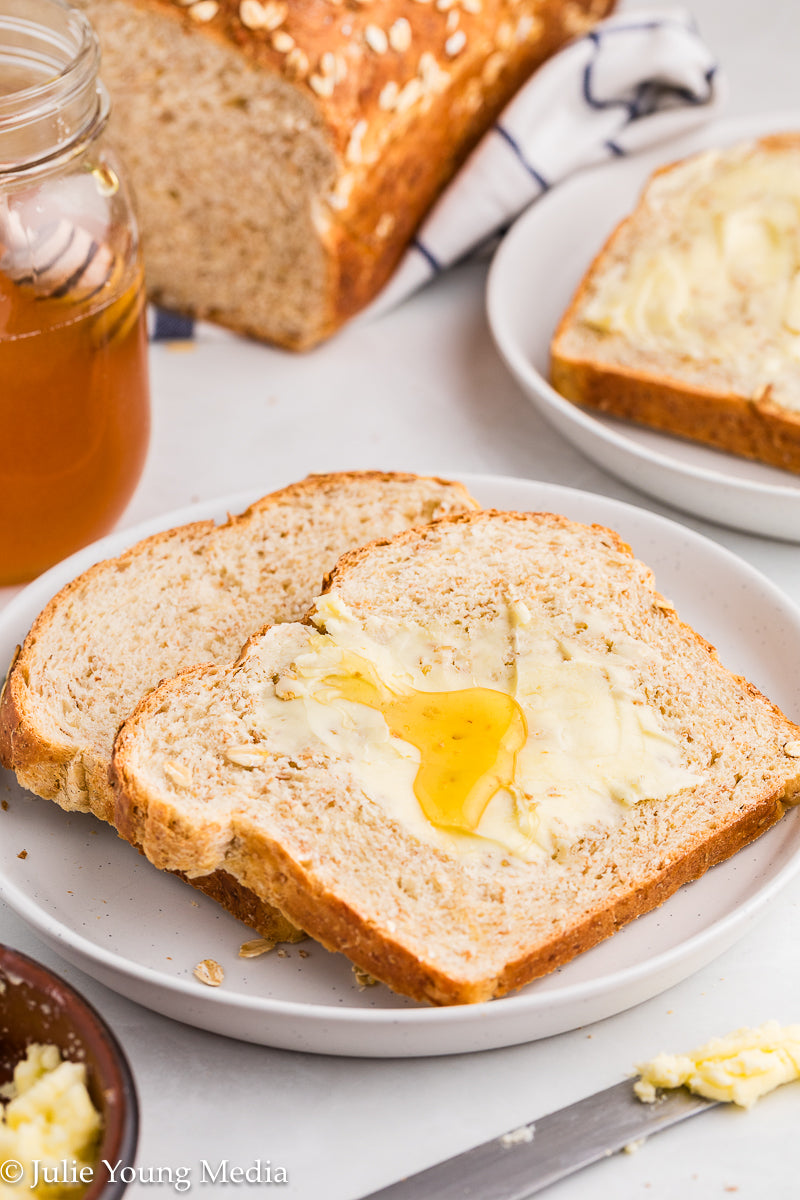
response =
{"points": [[74, 398]]}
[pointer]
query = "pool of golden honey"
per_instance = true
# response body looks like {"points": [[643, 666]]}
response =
{"points": [[468, 740]]}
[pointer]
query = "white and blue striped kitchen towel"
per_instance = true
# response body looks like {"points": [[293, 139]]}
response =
{"points": [[632, 81]]}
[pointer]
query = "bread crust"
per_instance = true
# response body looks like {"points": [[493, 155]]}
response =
{"points": [[264, 864], [385, 179], [56, 767], [264, 868], [754, 427], [72, 770]]}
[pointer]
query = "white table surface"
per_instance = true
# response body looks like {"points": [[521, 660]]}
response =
{"points": [[423, 389]]}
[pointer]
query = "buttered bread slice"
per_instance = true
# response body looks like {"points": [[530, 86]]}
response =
{"points": [[190, 595], [490, 743], [689, 318]]}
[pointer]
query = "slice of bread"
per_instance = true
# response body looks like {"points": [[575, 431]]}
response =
{"points": [[645, 761], [689, 318], [190, 595]]}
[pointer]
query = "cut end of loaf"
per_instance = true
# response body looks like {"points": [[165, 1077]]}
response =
{"points": [[283, 157], [229, 167]]}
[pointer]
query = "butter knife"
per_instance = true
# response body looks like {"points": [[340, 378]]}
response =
{"points": [[520, 1163]]}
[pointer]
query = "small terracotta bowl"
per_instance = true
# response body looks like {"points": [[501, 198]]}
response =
{"points": [[38, 1006]]}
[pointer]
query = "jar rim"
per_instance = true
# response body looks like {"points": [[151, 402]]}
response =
{"points": [[42, 118]]}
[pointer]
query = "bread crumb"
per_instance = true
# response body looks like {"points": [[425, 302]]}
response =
{"points": [[363, 978], [255, 948], [4, 805], [22, 854], [517, 1137], [303, 953], [282, 953], [209, 972]]}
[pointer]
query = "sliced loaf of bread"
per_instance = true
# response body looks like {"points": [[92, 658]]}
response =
{"points": [[689, 318], [489, 745], [283, 153]]}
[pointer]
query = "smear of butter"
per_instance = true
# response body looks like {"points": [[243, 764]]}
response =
{"points": [[740, 1067], [468, 739], [717, 278], [570, 740]]}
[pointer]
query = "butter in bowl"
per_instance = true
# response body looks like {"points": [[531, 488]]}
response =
{"points": [[69, 1121]]}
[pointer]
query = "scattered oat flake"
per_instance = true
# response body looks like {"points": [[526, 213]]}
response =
{"points": [[303, 953], [204, 10], [255, 947], [376, 39], [455, 43], [22, 854], [209, 972], [400, 34], [792, 749], [283, 953]]}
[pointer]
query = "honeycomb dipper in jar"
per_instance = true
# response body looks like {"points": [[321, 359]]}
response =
{"points": [[74, 401]]}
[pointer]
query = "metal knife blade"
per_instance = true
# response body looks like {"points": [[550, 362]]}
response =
{"points": [[522, 1162]]}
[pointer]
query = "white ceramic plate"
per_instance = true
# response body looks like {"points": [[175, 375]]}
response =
{"points": [[531, 282], [104, 908]]}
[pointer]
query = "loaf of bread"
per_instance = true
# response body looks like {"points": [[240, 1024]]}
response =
{"points": [[283, 152], [187, 596], [689, 319], [489, 745]]}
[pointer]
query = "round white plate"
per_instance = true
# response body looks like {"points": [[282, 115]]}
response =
{"points": [[104, 908], [531, 282]]}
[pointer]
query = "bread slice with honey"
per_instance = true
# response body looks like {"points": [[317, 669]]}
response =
{"points": [[490, 743], [190, 595], [689, 319]]}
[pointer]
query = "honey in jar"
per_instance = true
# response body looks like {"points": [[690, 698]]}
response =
{"points": [[74, 400]]}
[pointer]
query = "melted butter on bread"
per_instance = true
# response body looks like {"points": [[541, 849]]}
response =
{"points": [[504, 737], [717, 278], [468, 739]]}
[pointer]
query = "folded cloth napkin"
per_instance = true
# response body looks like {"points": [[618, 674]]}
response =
{"points": [[634, 80]]}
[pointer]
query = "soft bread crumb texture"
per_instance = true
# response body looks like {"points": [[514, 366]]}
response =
{"points": [[298, 829], [283, 153], [191, 595]]}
